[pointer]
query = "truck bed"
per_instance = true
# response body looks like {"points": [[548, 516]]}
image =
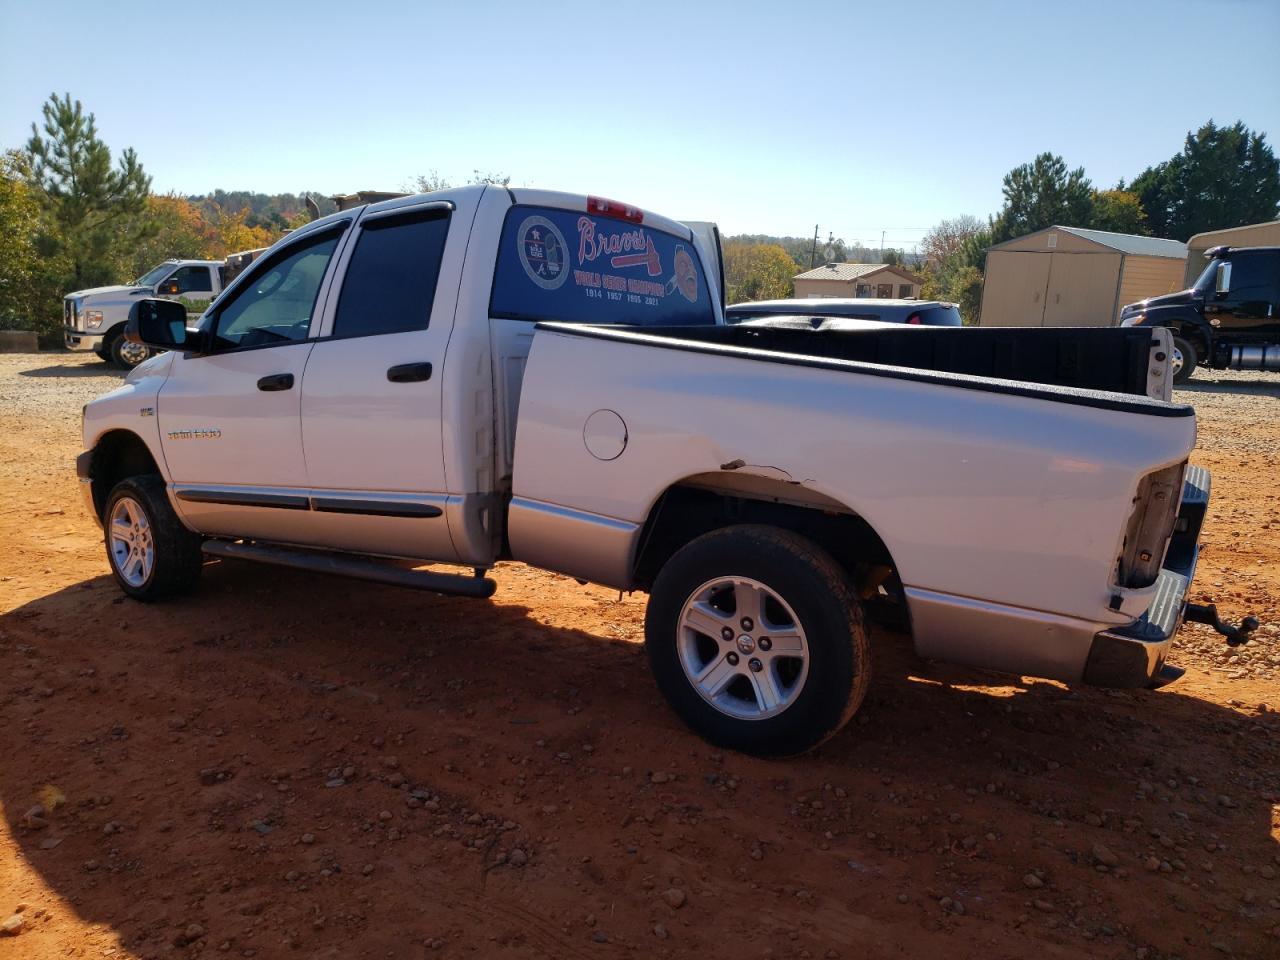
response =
{"points": [[1107, 367]]}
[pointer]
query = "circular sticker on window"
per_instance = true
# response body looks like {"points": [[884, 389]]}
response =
{"points": [[543, 252]]}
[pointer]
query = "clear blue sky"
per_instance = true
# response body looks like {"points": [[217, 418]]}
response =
{"points": [[766, 117]]}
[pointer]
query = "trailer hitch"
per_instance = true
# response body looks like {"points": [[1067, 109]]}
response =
{"points": [[1208, 613]]}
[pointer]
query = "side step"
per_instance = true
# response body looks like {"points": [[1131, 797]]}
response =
{"points": [[356, 567]]}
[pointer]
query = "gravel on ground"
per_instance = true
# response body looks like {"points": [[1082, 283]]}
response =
{"points": [[288, 765]]}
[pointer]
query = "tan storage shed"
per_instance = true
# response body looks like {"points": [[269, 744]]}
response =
{"points": [[1254, 235], [1071, 277]]}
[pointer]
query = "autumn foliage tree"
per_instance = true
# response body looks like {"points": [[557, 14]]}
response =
{"points": [[757, 271]]}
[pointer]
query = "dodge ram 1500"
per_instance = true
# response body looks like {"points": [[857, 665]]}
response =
{"points": [[488, 373]]}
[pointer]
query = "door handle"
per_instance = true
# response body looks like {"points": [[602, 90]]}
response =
{"points": [[409, 373], [277, 381]]}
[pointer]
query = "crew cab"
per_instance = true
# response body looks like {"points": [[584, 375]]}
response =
{"points": [[1230, 318], [487, 373], [94, 319]]}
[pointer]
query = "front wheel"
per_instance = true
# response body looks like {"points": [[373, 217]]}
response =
{"points": [[126, 355], [1185, 360], [151, 553], [755, 637]]}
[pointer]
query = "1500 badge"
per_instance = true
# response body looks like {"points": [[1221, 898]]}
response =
{"points": [[209, 434]]}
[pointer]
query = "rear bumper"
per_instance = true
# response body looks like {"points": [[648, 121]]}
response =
{"points": [[1134, 656], [80, 340]]}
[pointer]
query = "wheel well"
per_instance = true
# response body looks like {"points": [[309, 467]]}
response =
{"points": [[118, 454], [1196, 337], [685, 512]]}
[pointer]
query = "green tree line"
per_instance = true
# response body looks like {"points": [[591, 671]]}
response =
{"points": [[1224, 176], [71, 217]]}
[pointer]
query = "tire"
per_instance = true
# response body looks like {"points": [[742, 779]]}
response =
{"points": [[124, 354], [103, 355], [759, 700], [167, 560], [1184, 349]]}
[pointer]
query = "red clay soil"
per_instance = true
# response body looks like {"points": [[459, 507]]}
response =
{"points": [[286, 765]]}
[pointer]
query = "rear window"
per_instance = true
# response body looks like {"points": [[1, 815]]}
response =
{"points": [[585, 268], [941, 316]]}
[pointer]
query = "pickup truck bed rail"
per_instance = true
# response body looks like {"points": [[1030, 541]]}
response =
{"points": [[1104, 368]]}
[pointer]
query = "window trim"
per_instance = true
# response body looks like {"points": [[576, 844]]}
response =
{"points": [[387, 220], [233, 293]]}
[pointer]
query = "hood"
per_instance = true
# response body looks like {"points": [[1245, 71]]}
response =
{"points": [[118, 289], [1168, 300]]}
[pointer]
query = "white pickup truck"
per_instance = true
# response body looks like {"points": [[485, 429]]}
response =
{"points": [[489, 373], [94, 319]]}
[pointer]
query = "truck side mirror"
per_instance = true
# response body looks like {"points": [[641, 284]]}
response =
{"points": [[169, 288], [1223, 281], [161, 324]]}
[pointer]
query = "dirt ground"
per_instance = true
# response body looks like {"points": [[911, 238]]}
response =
{"points": [[286, 765]]}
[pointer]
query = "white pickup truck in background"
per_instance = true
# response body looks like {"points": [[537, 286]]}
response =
{"points": [[94, 319], [488, 373]]}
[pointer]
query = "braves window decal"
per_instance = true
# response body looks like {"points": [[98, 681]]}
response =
{"points": [[586, 268]]}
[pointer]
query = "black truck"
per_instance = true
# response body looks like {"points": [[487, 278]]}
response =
{"points": [[1230, 319]]}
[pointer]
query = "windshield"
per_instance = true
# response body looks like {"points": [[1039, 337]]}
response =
{"points": [[154, 275], [1209, 279]]}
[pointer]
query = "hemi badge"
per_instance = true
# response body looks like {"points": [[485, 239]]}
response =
{"points": [[147, 412]]}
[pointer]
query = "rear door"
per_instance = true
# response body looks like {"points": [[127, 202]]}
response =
{"points": [[371, 396]]}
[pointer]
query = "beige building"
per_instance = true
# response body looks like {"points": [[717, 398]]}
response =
{"points": [[1071, 277], [858, 280], [1254, 235]]}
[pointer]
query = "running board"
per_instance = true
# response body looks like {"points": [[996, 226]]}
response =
{"points": [[355, 567]]}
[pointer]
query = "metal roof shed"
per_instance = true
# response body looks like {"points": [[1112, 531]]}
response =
{"points": [[1072, 277], [1254, 235]]}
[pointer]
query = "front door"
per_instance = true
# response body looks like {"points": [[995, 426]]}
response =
{"points": [[1251, 303], [371, 398], [230, 418]]}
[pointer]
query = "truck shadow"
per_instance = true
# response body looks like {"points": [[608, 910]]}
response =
{"points": [[1206, 383], [182, 750], [93, 368]]}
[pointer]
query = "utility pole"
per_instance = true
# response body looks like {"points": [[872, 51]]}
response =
{"points": [[813, 255], [882, 246]]}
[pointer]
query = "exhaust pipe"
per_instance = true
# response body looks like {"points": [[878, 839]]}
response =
{"points": [[1256, 357]]}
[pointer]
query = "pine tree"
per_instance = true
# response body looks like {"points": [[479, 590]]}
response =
{"points": [[1223, 177], [1040, 194], [94, 212]]}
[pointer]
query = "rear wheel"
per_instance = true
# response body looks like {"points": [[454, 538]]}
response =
{"points": [[1184, 360], [152, 555], [755, 637]]}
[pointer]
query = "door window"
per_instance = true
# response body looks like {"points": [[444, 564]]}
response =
{"points": [[276, 303], [391, 279], [192, 280], [884, 291], [1253, 279]]}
